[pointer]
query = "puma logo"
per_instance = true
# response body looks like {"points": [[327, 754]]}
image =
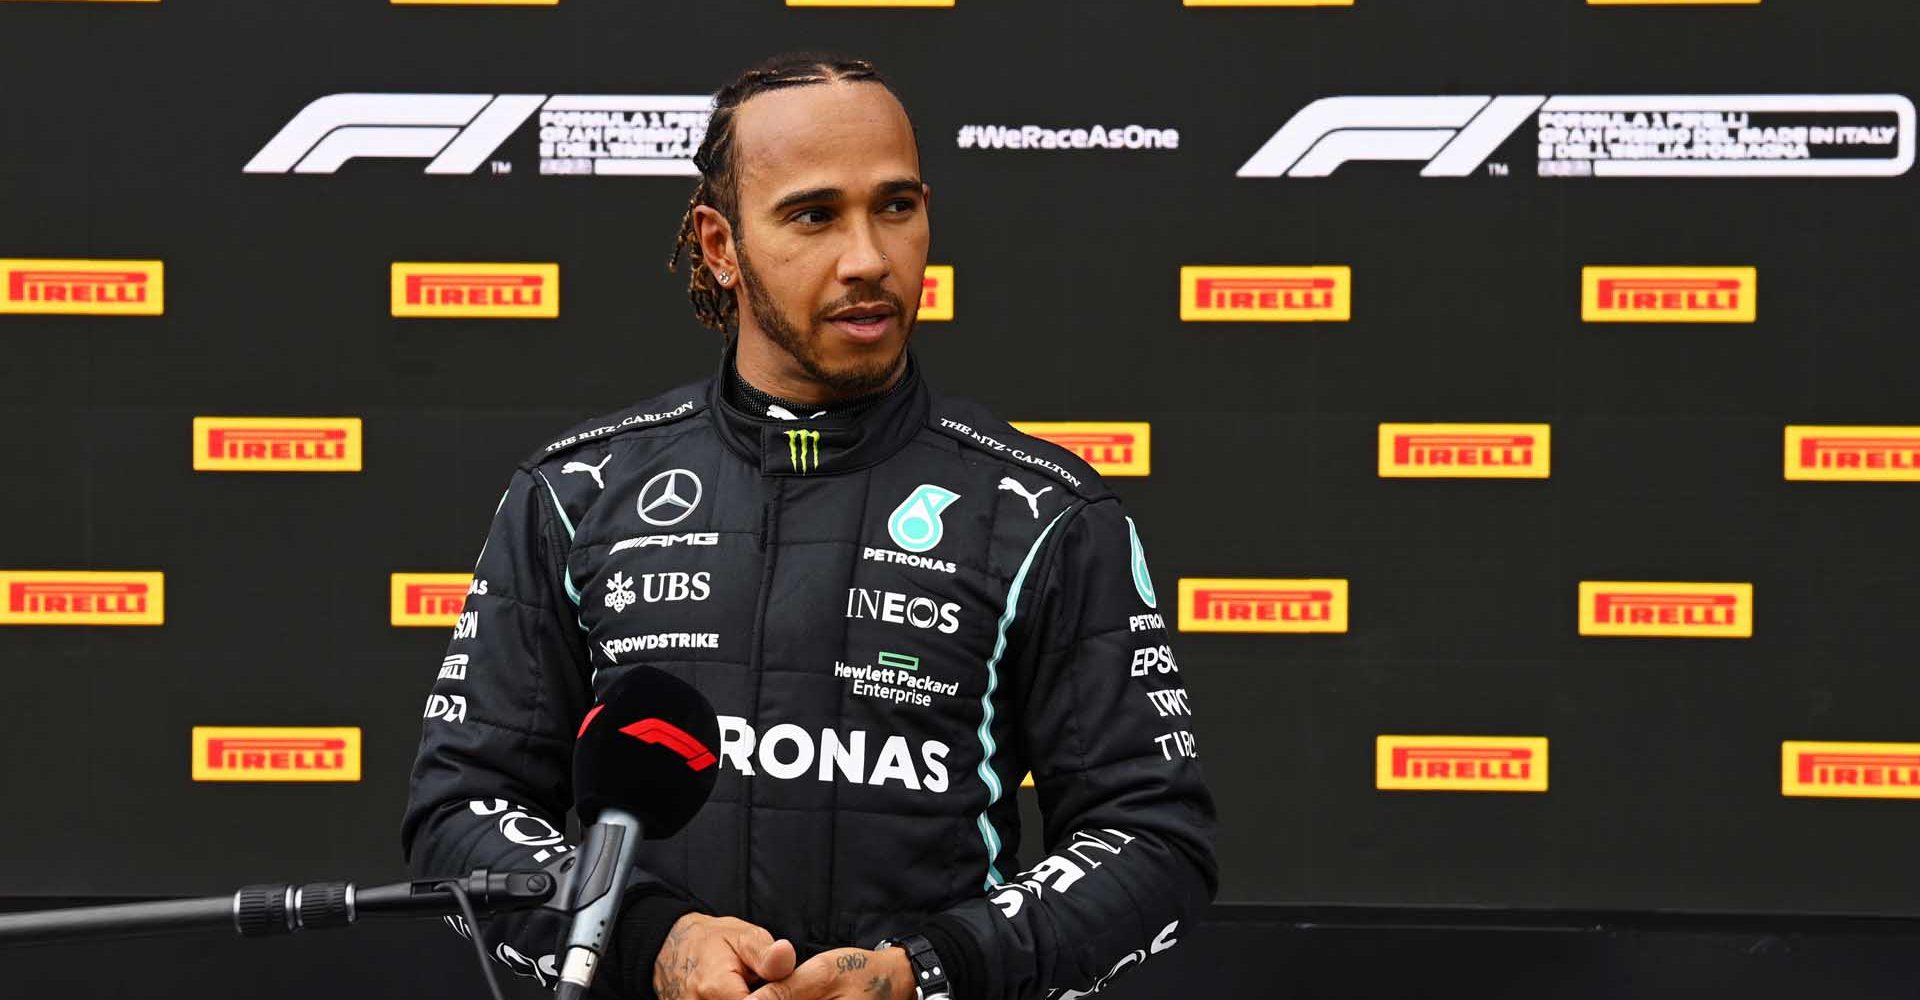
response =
{"points": [[1032, 499], [591, 470]]}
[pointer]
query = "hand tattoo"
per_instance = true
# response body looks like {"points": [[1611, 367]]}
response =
{"points": [[672, 970], [850, 963], [880, 988]]}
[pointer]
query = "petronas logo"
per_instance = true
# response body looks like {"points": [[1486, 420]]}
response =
{"points": [[915, 524], [803, 450]]}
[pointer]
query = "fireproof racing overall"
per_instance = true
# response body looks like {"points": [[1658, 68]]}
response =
{"points": [[897, 616]]}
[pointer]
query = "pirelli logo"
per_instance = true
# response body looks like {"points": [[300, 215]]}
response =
{"points": [[276, 444], [1667, 610], [869, 3], [474, 3], [1850, 770], [83, 287], [276, 753], [1266, 294], [1267, 3], [1465, 451], [428, 599], [1668, 294], [1853, 454], [936, 293], [1113, 449], [484, 291], [1243, 605], [1460, 763], [81, 597]]}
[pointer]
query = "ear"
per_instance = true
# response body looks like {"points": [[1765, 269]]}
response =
{"points": [[715, 235]]}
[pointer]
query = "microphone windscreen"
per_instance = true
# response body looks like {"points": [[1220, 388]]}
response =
{"points": [[651, 748]]}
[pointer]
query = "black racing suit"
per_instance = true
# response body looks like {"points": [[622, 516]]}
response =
{"points": [[897, 615]]}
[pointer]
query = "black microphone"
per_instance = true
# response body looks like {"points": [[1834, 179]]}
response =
{"points": [[644, 763]]}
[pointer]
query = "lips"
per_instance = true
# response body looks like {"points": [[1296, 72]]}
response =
{"points": [[864, 322]]}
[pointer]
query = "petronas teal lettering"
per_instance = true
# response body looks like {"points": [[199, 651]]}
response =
{"points": [[988, 835]]}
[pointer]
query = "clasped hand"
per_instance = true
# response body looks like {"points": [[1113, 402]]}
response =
{"points": [[724, 958]]}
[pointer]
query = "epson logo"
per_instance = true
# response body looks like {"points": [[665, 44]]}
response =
{"points": [[1671, 135], [665, 541], [787, 752], [899, 609]]}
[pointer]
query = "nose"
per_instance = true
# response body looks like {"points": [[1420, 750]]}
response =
{"points": [[863, 260]]}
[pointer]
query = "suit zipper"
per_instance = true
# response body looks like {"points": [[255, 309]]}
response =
{"points": [[769, 538]]}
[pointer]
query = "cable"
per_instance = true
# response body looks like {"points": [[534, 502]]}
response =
{"points": [[473, 934]]}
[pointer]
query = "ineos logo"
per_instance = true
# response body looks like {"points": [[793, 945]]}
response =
{"points": [[669, 497]]}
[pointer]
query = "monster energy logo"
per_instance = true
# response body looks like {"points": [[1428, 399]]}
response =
{"points": [[803, 450]]}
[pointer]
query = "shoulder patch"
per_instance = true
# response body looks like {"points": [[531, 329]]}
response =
{"points": [[971, 424], [663, 409]]}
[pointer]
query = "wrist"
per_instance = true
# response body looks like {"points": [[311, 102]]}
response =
{"points": [[898, 969], [926, 974]]}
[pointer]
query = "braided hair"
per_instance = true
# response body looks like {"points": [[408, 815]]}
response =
{"points": [[719, 185]]}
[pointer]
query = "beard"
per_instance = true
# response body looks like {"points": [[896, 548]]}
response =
{"points": [[857, 378]]}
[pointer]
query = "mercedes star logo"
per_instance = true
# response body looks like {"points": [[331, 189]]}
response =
{"points": [[669, 497]]}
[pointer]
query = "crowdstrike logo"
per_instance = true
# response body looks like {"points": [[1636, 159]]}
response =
{"points": [[1676, 135], [601, 134]]}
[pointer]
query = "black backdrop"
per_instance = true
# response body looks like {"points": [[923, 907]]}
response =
{"points": [[128, 125]]}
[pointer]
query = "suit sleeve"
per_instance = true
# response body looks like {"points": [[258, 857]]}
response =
{"points": [[492, 781], [1106, 726]]}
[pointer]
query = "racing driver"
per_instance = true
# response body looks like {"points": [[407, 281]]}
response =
{"points": [[898, 605]]}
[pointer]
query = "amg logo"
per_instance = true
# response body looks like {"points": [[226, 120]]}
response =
{"points": [[664, 541]]}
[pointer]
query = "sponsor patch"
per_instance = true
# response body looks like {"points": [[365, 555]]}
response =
{"points": [[1261, 605], [81, 597], [1460, 763], [1666, 610], [428, 599], [276, 753]]}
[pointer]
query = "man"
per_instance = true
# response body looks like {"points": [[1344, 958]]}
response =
{"points": [[897, 604]]}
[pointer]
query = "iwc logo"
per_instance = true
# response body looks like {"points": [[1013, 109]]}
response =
{"points": [[915, 524], [1142, 580]]}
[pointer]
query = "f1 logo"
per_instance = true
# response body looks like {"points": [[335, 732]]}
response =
{"points": [[1454, 135], [457, 131], [666, 734]]}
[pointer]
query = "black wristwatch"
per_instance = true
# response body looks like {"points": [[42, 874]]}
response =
{"points": [[929, 975]]}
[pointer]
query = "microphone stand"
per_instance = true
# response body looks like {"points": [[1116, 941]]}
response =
{"points": [[280, 908]]}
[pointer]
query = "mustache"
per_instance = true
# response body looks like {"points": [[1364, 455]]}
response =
{"points": [[865, 292]]}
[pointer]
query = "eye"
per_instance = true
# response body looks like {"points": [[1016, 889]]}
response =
{"points": [[899, 206], [810, 217]]}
